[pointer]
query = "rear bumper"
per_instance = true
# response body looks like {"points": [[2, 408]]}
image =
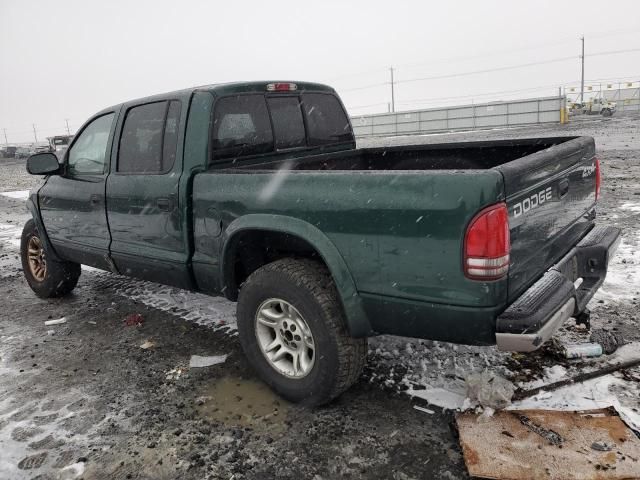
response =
{"points": [[562, 292]]}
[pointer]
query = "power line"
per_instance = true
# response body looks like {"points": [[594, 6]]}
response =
{"points": [[495, 69], [487, 70], [364, 87], [613, 52], [561, 40]]}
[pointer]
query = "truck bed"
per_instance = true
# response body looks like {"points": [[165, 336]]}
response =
{"points": [[451, 156], [398, 216]]}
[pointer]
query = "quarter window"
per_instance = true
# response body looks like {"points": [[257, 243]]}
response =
{"points": [[89, 151], [148, 143]]}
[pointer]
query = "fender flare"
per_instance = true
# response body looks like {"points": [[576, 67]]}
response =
{"points": [[356, 318], [35, 214]]}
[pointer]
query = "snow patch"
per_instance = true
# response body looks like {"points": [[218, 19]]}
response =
{"points": [[623, 275], [197, 361], [631, 206], [71, 472], [599, 392], [16, 194], [10, 235], [453, 399]]}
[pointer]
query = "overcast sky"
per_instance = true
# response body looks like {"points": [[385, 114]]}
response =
{"points": [[67, 59]]}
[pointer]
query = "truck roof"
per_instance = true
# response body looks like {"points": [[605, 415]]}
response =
{"points": [[230, 88]]}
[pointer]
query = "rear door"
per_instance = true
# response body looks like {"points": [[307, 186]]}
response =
{"points": [[72, 205], [143, 202], [551, 200]]}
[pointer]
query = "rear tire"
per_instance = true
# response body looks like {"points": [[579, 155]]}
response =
{"points": [[46, 277], [606, 113], [290, 297]]}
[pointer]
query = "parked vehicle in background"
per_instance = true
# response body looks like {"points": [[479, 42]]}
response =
{"points": [[8, 151], [599, 106], [59, 144], [23, 152], [256, 191], [41, 148], [574, 108]]}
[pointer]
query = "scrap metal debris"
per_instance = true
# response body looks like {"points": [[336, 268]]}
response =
{"points": [[578, 378], [175, 373], [147, 344], [582, 350], [59, 321], [552, 437], [134, 320], [549, 444], [602, 446], [422, 409]]}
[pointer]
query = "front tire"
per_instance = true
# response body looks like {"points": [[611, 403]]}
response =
{"points": [[606, 113], [292, 330], [46, 277]]}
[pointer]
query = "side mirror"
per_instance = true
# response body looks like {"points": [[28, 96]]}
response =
{"points": [[43, 164]]}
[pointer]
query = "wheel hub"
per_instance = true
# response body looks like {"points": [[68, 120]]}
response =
{"points": [[285, 338], [37, 260]]}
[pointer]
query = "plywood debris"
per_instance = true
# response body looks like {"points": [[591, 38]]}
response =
{"points": [[533, 444]]}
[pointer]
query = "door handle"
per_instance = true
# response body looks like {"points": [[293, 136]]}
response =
{"points": [[95, 199], [164, 204], [563, 187]]}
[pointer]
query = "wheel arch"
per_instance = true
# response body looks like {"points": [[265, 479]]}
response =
{"points": [[35, 214], [357, 321]]}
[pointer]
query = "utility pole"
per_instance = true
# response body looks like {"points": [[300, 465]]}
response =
{"points": [[66, 120], [35, 135], [582, 76], [6, 142], [393, 100]]}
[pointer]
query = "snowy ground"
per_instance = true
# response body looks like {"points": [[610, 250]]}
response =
{"points": [[110, 400]]}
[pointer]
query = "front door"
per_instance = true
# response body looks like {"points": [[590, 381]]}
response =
{"points": [[72, 205], [143, 201]]}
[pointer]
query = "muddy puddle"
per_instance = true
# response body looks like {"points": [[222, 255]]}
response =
{"points": [[245, 403]]}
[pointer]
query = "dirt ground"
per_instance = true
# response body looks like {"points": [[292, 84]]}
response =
{"points": [[83, 400]]}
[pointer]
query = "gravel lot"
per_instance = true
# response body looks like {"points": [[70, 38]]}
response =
{"points": [[84, 400]]}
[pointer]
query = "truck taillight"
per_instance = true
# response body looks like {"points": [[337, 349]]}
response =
{"points": [[487, 244], [598, 179], [282, 87]]}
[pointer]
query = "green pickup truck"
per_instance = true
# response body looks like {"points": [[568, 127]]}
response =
{"points": [[256, 191]]}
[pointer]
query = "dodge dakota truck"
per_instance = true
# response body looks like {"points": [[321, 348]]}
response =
{"points": [[256, 191]]}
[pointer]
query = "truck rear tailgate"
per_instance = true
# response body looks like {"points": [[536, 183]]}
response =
{"points": [[550, 196]]}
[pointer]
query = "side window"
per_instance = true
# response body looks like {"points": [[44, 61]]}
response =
{"points": [[326, 120], [171, 136], [89, 152], [141, 140], [241, 126], [287, 120]]}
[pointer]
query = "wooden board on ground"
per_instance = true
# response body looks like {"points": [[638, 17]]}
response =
{"points": [[545, 444]]}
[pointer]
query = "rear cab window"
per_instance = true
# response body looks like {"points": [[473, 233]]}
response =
{"points": [[241, 126], [327, 121], [288, 124], [255, 123]]}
